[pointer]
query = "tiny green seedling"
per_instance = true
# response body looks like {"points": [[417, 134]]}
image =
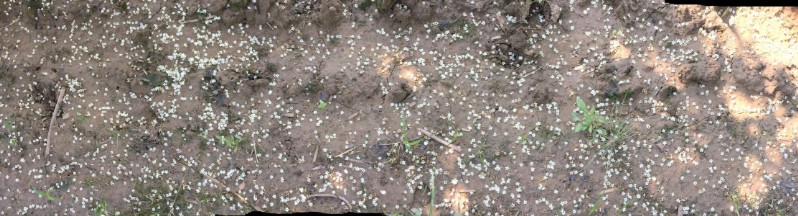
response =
{"points": [[231, 142], [100, 208], [408, 143], [457, 134], [416, 212], [736, 202], [321, 105], [589, 119], [615, 32], [81, 118], [595, 206], [46, 194], [9, 124]]}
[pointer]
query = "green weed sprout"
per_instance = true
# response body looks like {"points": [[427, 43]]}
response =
{"points": [[321, 105], [46, 194], [230, 141], [588, 119], [409, 144]]}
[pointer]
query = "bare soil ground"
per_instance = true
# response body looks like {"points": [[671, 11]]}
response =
{"points": [[202, 107]]}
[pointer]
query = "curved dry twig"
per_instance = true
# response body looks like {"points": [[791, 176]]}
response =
{"points": [[52, 120], [439, 140]]}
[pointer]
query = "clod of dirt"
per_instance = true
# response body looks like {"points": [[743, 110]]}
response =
{"points": [[299, 7], [330, 15], [543, 9], [507, 55], [380, 149], [400, 93], [518, 9], [702, 72], [686, 20], [233, 17], [610, 77], [214, 6], [402, 13], [556, 12], [312, 87], [367, 87], [146, 142], [422, 11], [666, 92], [755, 76]]}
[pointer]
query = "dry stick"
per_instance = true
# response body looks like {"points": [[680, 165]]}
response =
{"points": [[189, 21], [345, 152], [352, 116], [333, 196], [52, 120], [315, 154], [501, 21], [237, 195], [439, 140], [12, 22]]}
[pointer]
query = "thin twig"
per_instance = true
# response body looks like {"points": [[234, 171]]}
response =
{"points": [[15, 20], [333, 196], [236, 194], [315, 154], [501, 21], [12, 22], [611, 190], [52, 120], [189, 21], [439, 140], [352, 116], [345, 152]]}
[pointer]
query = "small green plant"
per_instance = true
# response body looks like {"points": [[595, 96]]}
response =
{"points": [[122, 5], [232, 142], [615, 32], [46, 194], [621, 95], [271, 67], [589, 119], [81, 118], [9, 124], [365, 4], [383, 5], [202, 13], [594, 207], [465, 27], [35, 5], [409, 144], [239, 4], [88, 182], [115, 132], [416, 212], [100, 208], [321, 105], [736, 201], [457, 134], [154, 80], [625, 204]]}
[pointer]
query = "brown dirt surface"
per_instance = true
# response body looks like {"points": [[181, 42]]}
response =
{"points": [[226, 107]]}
